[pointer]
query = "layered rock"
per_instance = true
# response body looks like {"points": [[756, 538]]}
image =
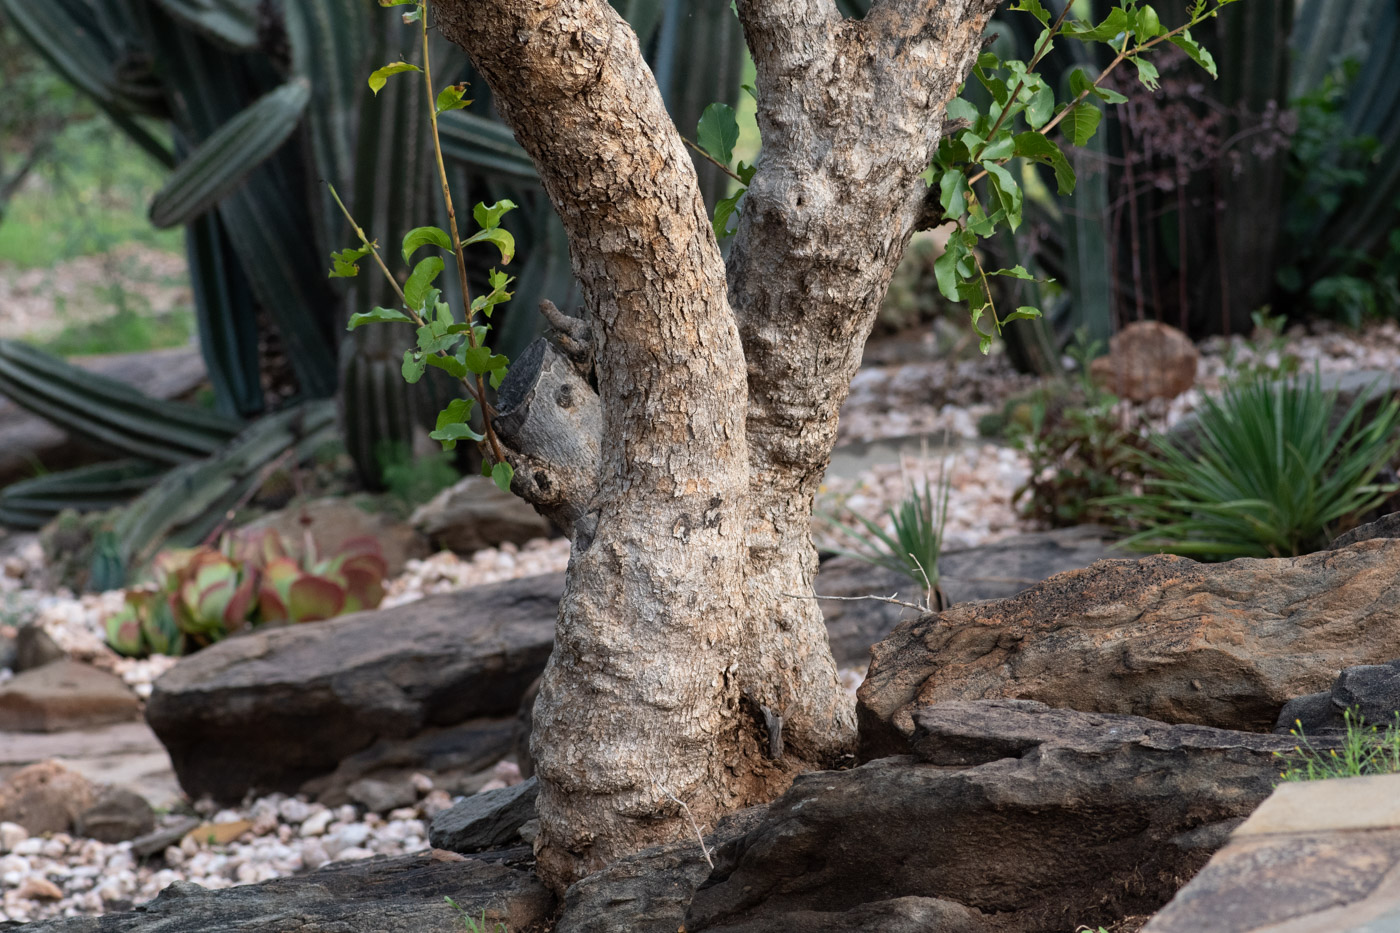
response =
{"points": [[1224, 645], [276, 707], [1009, 817]]}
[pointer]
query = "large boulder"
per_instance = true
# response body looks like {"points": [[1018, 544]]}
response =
{"points": [[400, 895], [1009, 817], [1225, 645], [1146, 360], [273, 708]]}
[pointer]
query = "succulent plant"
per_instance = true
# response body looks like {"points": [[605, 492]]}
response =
{"points": [[203, 594]]}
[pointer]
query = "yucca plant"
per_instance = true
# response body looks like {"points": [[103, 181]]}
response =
{"points": [[912, 545], [1272, 471]]}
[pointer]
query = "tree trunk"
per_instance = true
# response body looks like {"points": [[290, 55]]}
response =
{"points": [[690, 672]]}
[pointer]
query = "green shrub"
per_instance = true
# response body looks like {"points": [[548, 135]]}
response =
{"points": [[1081, 447], [1276, 473], [1365, 750], [912, 547]]}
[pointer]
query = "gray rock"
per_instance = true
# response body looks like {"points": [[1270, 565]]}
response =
{"points": [[1039, 819], [34, 648], [1387, 526], [45, 797], [474, 514], [116, 816], [400, 895], [1225, 645], [379, 796], [992, 571], [277, 707], [65, 695], [1371, 690], [157, 841], [486, 820]]}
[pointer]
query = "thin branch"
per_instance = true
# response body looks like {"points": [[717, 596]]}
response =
{"points": [[713, 161], [457, 250], [879, 599], [695, 827]]}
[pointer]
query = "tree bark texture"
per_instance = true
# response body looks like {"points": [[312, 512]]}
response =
{"points": [[689, 671]]}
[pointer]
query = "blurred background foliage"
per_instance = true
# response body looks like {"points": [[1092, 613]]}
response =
{"points": [[1277, 185]]}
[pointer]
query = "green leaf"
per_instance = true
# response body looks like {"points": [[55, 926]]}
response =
{"points": [[1081, 123], [415, 290], [458, 411], [745, 172], [1015, 272], [1024, 313], [452, 433], [377, 316], [1146, 24], [1034, 8], [381, 76], [959, 109], [718, 131], [502, 473], [724, 209], [502, 238], [947, 269], [413, 366], [345, 264], [1000, 148], [1114, 25], [1147, 72], [952, 192], [1006, 192], [1040, 107], [1198, 53], [422, 236], [489, 218], [450, 98], [448, 364], [1039, 148]]}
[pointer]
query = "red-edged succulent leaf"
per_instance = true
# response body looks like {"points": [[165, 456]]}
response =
{"points": [[171, 567], [312, 598], [240, 605], [273, 593], [363, 589], [162, 634], [124, 631], [365, 544]]}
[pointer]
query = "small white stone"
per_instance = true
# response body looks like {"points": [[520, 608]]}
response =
{"points": [[316, 823], [293, 810], [313, 854], [354, 852], [11, 835]]}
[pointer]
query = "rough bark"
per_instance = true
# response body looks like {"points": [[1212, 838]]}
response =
{"points": [[850, 114], [688, 664], [637, 703]]}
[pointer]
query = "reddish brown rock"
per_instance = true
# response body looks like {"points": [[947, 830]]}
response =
{"points": [[65, 695], [1222, 645], [45, 798], [1147, 360]]}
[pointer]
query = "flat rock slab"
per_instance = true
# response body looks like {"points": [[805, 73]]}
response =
{"points": [[486, 820], [1316, 857], [276, 707], [1032, 820], [993, 571], [65, 695], [401, 895], [1225, 645]]}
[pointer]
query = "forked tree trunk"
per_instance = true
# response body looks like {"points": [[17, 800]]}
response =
{"points": [[688, 667]]}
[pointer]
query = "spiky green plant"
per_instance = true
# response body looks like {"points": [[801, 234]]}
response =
{"points": [[914, 543], [1275, 473], [1363, 750]]}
